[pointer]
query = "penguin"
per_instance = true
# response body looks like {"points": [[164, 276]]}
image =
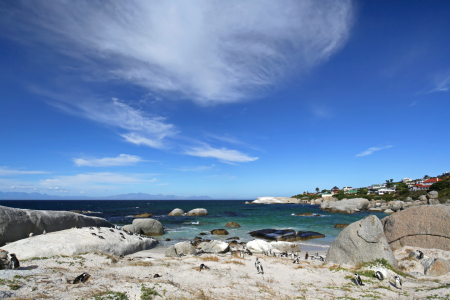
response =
{"points": [[112, 230], [421, 255], [157, 275], [296, 261], [317, 254], [379, 275], [31, 234], [306, 256], [14, 262], [91, 228], [398, 282], [44, 232], [258, 266], [358, 280], [140, 238], [101, 237], [321, 259], [93, 233], [83, 278], [123, 237], [203, 267]]}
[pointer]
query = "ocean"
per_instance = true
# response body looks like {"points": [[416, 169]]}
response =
{"points": [[250, 216]]}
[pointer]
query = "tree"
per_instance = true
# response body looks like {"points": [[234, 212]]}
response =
{"points": [[426, 177], [440, 185], [388, 184], [317, 189], [391, 180]]}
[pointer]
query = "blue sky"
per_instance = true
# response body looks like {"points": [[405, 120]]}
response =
{"points": [[234, 99]]}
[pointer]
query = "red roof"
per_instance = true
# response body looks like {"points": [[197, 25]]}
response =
{"points": [[421, 185], [432, 180]]}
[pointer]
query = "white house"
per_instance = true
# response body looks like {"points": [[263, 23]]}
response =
{"points": [[385, 191], [347, 188], [406, 180]]}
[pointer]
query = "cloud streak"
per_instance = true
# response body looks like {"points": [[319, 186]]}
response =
{"points": [[4, 171], [121, 160], [371, 150], [206, 51], [223, 154], [86, 180]]}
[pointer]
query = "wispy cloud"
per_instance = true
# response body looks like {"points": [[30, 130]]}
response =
{"points": [[4, 171], [442, 84], [195, 169], [223, 154], [206, 51], [372, 150], [103, 178], [121, 160]]}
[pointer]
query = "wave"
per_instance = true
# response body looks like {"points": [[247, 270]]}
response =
{"points": [[192, 223]]}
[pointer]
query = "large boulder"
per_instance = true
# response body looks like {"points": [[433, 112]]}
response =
{"points": [[287, 235], [285, 246], [185, 248], [275, 200], [362, 241], [419, 226], [216, 247], [4, 260], [75, 241], [348, 206], [16, 224], [258, 246], [197, 212], [219, 232], [145, 226], [396, 205], [432, 195], [170, 251], [176, 212], [435, 266]]}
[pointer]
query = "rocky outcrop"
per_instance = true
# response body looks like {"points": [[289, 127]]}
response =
{"points": [[432, 195], [185, 248], [75, 241], [176, 212], [361, 241], [232, 224], [420, 226], [170, 251], [16, 224], [258, 246], [216, 247], [145, 226], [4, 260], [197, 212], [287, 235], [219, 232], [285, 246], [275, 200], [348, 206], [435, 266]]}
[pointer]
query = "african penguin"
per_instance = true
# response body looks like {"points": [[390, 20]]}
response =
{"points": [[157, 275], [203, 267], [306, 256], [31, 234], [398, 282], [358, 280], [258, 266], [421, 255], [14, 262], [379, 275]]}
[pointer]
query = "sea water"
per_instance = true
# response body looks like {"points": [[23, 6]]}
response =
{"points": [[250, 216]]}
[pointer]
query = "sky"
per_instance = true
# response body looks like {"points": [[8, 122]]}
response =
{"points": [[226, 99]]}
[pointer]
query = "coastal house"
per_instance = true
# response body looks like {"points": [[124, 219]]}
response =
{"points": [[407, 180], [385, 191], [347, 188], [335, 190], [375, 187], [424, 185], [351, 192], [327, 195]]}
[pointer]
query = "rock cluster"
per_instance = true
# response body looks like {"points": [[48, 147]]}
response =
{"points": [[16, 224], [4, 260], [348, 206]]}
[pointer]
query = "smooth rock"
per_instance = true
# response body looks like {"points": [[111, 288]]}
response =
{"points": [[216, 247], [129, 228], [287, 235], [75, 241], [375, 209], [348, 206], [176, 212], [170, 251], [395, 205], [232, 224], [185, 248], [275, 200], [144, 215], [423, 198], [145, 226], [388, 211], [433, 201], [285, 246], [432, 195], [361, 241], [435, 266], [197, 212], [219, 232], [258, 246], [4, 260], [16, 224], [408, 199], [340, 225], [420, 226]]}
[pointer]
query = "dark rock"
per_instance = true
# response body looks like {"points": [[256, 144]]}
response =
{"points": [[219, 232], [287, 235], [304, 214], [204, 233], [168, 239], [232, 224], [340, 225], [144, 215], [197, 238], [233, 238], [420, 226]]}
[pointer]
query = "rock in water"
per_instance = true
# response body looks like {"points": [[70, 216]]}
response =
{"points": [[144, 215], [287, 235], [232, 224], [219, 232], [361, 241], [197, 212], [176, 212], [75, 241], [348, 206], [340, 225], [420, 226], [16, 224], [145, 226]]}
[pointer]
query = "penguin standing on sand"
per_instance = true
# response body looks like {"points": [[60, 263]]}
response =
{"points": [[421, 255], [398, 282], [306, 256], [358, 280], [203, 267], [14, 262], [296, 261], [258, 266], [379, 275]]}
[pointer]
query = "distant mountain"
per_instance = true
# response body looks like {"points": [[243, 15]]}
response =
{"points": [[131, 196]]}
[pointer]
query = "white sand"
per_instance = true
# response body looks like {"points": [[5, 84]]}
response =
{"points": [[228, 278]]}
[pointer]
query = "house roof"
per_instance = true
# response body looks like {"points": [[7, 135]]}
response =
{"points": [[432, 180], [421, 185], [335, 188]]}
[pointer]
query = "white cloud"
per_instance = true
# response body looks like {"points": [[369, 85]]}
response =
{"points": [[121, 160], [206, 51], [196, 169], [372, 150], [4, 171], [442, 84], [137, 139], [223, 154]]}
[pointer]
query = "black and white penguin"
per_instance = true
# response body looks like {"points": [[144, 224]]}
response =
{"points": [[379, 275], [321, 259], [296, 261], [317, 254], [31, 234], [44, 232], [358, 280], [306, 256], [101, 237], [93, 233], [421, 255], [13, 261], [258, 266], [398, 282], [203, 267], [83, 278], [157, 275], [112, 230]]}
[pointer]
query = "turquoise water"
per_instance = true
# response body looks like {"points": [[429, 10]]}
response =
{"points": [[250, 216]]}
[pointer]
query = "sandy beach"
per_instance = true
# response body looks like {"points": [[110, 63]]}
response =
{"points": [[228, 277]]}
